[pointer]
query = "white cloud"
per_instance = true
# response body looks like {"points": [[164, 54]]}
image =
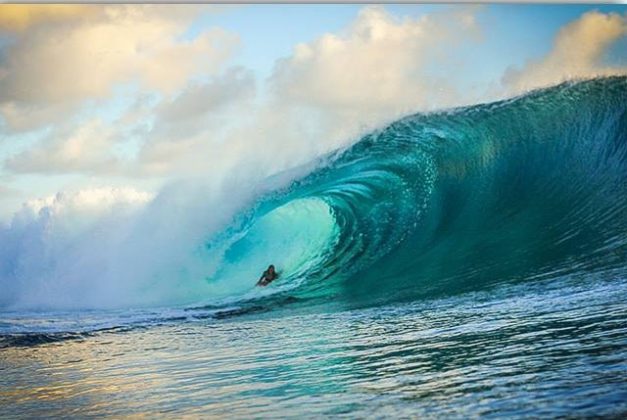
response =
{"points": [[188, 126], [22, 117], [52, 65], [578, 52], [379, 68], [94, 199], [324, 95], [86, 148], [171, 133], [202, 99]]}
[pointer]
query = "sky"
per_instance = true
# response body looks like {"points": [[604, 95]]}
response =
{"points": [[111, 102]]}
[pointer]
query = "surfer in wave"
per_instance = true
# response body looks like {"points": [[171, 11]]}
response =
{"points": [[268, 276]]}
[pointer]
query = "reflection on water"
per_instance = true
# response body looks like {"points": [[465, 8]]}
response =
{"points": [[532, 351]]}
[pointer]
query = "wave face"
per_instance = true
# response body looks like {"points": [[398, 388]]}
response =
{"points": [[527, 188], [530, 188]]}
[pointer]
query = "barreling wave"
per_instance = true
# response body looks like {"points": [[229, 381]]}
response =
{"points": [[533, 187], [527, 188]]}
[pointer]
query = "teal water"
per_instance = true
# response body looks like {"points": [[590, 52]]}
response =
{"points": [[549, 350], [461, 263]]}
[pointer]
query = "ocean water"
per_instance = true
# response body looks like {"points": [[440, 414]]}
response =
{"points": [[460, 263], [550, 350]]}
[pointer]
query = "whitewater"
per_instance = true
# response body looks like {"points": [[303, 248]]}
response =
{"points": [[459, 262]]}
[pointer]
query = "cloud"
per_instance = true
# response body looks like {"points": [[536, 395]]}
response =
{"points": [[201, 99], [53, 66], [322, 97], [184, 128], [18, 17], [380, 67], [188, 126], [86, 148], [200, 116], [578, 52], [21, 117], [90, 199]]}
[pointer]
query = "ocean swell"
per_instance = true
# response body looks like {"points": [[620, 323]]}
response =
{"points": [[529, 188]]}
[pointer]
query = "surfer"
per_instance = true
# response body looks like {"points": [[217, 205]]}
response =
{"points": [[268, 276]]}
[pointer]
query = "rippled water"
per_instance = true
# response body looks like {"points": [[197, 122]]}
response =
{"points": [[542, 349]]}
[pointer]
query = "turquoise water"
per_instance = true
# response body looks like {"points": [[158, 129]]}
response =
{"points": [[547, 350], [466, 262]]}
